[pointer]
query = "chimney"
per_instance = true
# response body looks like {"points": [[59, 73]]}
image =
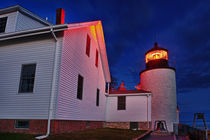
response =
{"points": [[60, 16]]}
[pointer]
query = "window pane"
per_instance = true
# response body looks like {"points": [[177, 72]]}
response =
{"points": [[96, 58], [88, 46], [121, 102], [27, 78], [3, 22], [80, 87], [97, 97], [21, 124]]}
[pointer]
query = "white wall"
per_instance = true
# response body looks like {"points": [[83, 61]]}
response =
{"points": [[162, 83], [74, 61], [14, 105], [11, 21], [136, 109]]}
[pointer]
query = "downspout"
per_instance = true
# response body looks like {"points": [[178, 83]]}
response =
{"points": [[147, 112], [53, 87]]}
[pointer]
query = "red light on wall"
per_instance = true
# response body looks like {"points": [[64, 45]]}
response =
{"points": [[157, 54]]}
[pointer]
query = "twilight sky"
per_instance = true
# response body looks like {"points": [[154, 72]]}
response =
{"points": [[132, 26]]}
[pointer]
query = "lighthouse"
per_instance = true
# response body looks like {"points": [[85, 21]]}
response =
{"points": [[159, 78]]}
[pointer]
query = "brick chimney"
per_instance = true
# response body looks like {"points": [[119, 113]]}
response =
{"points": [[60, 16]]}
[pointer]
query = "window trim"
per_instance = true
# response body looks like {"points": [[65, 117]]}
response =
{"points": [[16, 124], [20, 81]]}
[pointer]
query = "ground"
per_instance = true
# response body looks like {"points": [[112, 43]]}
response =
{"points": [[94, 134]]}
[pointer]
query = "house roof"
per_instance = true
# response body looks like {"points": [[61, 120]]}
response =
{"points": [[25, 12], [128, 91]]}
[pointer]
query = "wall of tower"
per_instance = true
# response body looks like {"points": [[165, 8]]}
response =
{"points": [[162, 83]]}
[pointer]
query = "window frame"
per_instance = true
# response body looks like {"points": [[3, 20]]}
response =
{"points": [[121, 102], [21, 78], [80, 86]]}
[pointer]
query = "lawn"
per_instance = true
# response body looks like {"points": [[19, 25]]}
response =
{"points": [[93, 134]]}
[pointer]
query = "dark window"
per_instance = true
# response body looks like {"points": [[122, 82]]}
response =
{"points": [[96, 58], [87, 124], [22, 124], [106, 87], [134, 125], [27, 78], [3, 22], [80, 87], [88, 46], [97, 97], [121, 103]]}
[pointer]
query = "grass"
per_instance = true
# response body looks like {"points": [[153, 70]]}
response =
{"points": [[16, 136], [92, 134]]}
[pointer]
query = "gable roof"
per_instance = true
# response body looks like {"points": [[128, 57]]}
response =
{"points": [[25, 12]]}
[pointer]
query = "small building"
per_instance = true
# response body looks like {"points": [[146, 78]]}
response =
{"points": [[129, 109]]}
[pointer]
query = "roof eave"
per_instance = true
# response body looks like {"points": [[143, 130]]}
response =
{"points": [[31, 32]]}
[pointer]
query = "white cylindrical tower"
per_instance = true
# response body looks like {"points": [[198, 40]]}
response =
{"points": [[160, 79]]}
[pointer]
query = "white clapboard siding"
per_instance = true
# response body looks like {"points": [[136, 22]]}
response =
{"points": [[74, 61], [11, 21], [14, 105], [136, 109], [25, 23]]}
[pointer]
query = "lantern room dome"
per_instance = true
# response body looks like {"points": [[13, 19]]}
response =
{"points": [[156, 57]]}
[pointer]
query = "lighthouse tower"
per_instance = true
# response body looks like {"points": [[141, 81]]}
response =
{"points": [[159, 78]]}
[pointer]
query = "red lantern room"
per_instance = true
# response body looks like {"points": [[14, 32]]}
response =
{"points": [[157, 57]]}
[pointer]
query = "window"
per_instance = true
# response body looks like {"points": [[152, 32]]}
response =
{"points": [[97, 97], [3, 22], [88, 46], [80, 87], [121, 103], [22, 124], [27, 78], [96, 58], [134, 125], [106, 87], [87, 124]]}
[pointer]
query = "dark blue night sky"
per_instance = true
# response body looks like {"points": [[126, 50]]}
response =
{"points": [[132, 26]]}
